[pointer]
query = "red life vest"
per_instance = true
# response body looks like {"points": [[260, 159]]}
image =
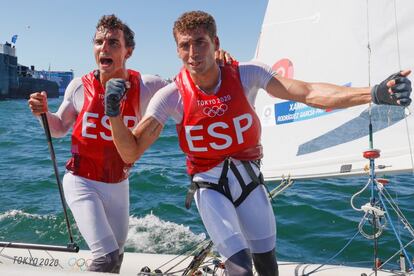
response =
{"points": [[218, 126], [94, 155]]}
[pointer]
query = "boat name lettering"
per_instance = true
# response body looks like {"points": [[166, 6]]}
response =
{"points": [[35, 261], [297, 106], [219, 100]]}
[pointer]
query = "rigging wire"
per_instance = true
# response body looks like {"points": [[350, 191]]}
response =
{"points": [[395, 255], [334, 256], [406, 109], [369, 77], [398, 211], [399, 67], [397, 236], [371, 143], [397, 35]]}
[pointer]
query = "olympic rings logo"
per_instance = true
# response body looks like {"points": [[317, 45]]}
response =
{"points": [[80, 264], [215, 110]]}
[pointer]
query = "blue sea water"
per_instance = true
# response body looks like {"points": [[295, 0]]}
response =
{"points": [[314, 217]]}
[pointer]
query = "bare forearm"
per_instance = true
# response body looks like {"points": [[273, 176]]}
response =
{"points": [[324, 95], [131, 145], [319, 95], [124, 140], [59, 122], [57, 126], [146, 133]]}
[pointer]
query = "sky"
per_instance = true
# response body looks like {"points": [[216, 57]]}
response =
{"points": [[58, 34]]}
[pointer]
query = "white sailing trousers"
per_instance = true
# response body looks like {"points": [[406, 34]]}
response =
{"points": [[251, 225], [101, 211]]}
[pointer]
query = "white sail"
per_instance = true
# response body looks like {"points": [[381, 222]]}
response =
{"points": [[327, 41]]}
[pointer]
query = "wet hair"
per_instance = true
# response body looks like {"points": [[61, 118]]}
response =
{"points": [[111, 22], [193, 20]]}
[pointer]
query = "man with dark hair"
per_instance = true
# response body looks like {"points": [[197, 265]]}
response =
{"points": [[111, 22], [219, 132], [96, 183]]}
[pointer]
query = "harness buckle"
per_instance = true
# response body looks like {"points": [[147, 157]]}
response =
{"points": [[190, 194]]}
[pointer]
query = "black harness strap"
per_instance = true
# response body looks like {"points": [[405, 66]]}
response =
{"points": [[237, 175], [222, 186], [259, 179], [223, 183], [246, 189], [247, 165]]}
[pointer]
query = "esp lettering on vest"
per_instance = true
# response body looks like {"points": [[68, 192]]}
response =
{"points": [[89, 120], [240, 124]]}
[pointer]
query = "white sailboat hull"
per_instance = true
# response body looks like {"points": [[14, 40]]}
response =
{"points": [[18, 262]]}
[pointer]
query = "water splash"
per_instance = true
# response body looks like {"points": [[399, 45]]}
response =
{"points": [[151, 234], [16, 214]]}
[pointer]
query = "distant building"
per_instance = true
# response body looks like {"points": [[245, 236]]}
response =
{"points": [[62, 78], [16, 81]]}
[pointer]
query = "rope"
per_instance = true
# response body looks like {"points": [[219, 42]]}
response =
{"points": [[334, 256], [199, 246], [192, 249], [198, 260], [199, 253], [358, 193]]}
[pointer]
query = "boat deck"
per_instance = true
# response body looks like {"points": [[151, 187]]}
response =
{"points": [[18, 262]]}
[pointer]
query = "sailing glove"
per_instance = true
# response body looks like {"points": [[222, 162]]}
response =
{"points": [[114, 92], [400, 92]]}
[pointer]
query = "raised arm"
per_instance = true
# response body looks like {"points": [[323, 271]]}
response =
{"points": [[395, 90], [132, 144]]}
